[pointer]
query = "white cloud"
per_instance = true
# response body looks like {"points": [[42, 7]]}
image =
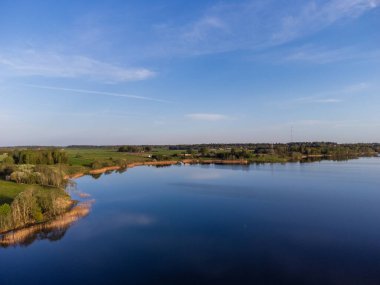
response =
{"points": [[256, 24], [328, 100], [111, 94], [324, 55], [356, 87], [309, 122], [206, 117], [50, 64], [335, 96], [313, 17], [199, 30]]}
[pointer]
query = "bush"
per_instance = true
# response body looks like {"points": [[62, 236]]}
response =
{"points": [[5, 216], [45, 156], [39, 174], [37, 214], [33, 205], [130, 148], [8, 160], [159, 157], [96, 165]]}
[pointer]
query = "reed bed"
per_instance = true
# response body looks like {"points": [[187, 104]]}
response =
{"points": [[61, 223]]}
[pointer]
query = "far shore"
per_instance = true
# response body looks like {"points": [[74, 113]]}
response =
{"points": [[157, 163], [173, 162]]}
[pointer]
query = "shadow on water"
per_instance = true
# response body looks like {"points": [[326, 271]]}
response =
{"points": [[96, 176], [108, 172], [121, 170], [162, 166]]}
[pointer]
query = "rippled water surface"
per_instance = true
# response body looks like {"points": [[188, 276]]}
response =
{"points": [[311, 223]]}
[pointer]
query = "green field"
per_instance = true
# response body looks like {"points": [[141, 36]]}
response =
{"points": [[85, 156], [165, 151], [9, 190]]}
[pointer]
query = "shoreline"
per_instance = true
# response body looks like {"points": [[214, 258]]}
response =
{"points": [[82, 209], [157, 163], [189, 161], [45, 229]]}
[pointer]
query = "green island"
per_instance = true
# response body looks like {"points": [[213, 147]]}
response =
{"points": [[33, 180]]}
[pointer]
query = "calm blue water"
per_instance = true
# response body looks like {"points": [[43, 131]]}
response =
{"points": [[312, 223]]}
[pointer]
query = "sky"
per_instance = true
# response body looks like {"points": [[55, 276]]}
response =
{"points": [[177, 72]]}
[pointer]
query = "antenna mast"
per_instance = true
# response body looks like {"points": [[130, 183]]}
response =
{"points": [[291, 134]]}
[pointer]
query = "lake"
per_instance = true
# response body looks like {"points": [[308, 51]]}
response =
{"points": [[295, 223]]}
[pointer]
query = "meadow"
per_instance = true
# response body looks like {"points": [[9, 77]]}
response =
{"points": [[9, 190], [87, 156]]}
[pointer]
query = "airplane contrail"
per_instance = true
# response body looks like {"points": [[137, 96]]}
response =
{"points": [[97, 92]]}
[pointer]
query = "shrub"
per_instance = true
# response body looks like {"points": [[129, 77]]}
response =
{"points": [[33, 205]]}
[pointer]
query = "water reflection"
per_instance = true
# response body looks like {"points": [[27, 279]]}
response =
{"points": [[275, 224], [52, 235], [121, 170], [96, 176], [239, 167], [52, 231], [162, 166], [221, 190]]}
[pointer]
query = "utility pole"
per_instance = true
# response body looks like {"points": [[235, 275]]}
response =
{"points": [[291, 134]]}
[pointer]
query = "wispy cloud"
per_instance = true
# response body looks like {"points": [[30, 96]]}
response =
{"points": [[336, 123], [111, 94], [200, 29], [51, 64], [335, 96], [328, 100], [324, 55], [206, 117], [251, 25], [313, 17], [309, 122]]}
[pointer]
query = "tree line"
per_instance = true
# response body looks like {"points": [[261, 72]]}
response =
{"points": [[44, 175], [33, 156], [229, 151], [134, 148]]}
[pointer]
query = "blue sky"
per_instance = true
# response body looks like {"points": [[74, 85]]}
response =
{"points": [[168, 72]]}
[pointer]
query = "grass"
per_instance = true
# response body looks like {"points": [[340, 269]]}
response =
{"points": [[165, 151], [269, 158], [84, 157], [9, 190]]}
